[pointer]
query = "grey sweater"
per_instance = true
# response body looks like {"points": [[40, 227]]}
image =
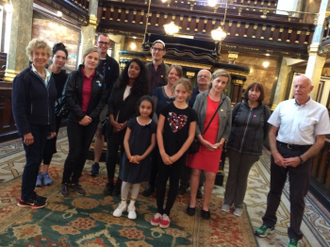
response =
{"points": [[224, 113]]}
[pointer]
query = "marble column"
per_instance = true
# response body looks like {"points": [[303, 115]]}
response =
{"points": [[282, 83], [21, 32], [315, 63], [88, 32]]}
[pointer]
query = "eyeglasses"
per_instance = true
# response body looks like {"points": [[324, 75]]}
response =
{"points": [[201, 76], [157, 49], [103, 43]]}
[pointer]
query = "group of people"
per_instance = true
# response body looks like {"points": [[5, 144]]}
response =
{"points": [[154, 115]]}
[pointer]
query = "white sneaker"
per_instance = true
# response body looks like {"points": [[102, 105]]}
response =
{"points": [[225, 208], [238, 211], [131, 212], [119, 211]]}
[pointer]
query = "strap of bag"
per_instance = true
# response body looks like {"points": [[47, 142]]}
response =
{"points": [[215, 113]]}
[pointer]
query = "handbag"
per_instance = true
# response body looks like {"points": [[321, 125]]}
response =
{"points": [[61, 108], [195, 145]]}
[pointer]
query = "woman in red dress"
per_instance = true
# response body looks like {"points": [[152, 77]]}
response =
{"points": [[208, 157]]}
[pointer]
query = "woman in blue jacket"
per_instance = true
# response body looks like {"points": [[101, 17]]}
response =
{"points": [[85, 94], [33, 105], [248, 132]]}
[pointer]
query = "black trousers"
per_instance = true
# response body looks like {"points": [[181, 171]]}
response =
{"points": [[154, 166], [114, 141], [173, 173], [299, 183], [80, 138], [50, 147], [33, 154]]}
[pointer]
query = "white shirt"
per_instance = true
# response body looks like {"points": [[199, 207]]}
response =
{"points": [[300, 125], [48, 74], [127, 92]]}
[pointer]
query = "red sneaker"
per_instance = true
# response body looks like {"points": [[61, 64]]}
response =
{"points": [[165, 221], [156, 219]]}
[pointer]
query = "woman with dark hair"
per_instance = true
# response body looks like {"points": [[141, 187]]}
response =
{"points": [[85, 94], [33, 106], [248, 132], [60, 55], [129, 88]]}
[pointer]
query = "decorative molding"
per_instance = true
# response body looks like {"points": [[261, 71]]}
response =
{"points": [[10, 75]]}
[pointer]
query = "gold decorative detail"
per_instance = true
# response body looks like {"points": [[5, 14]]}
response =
{"points": [[93, 21], [157, 15], [272, 29], [10, 74], [126, 11], [263, 28], [246, 25], [273, 107], [281, 30], [190, 74], [298, 32]]}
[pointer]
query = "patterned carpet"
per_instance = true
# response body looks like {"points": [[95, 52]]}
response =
{"points": [[88, 221]]}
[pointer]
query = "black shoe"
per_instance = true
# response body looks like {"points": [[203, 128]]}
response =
{"points": [[64, 190], [78, 189], [199, 194], [32, 203], [190, 211], [108, 189], [205, 214], [116, 190], [148, 191], [181, 191], [42, 198]]}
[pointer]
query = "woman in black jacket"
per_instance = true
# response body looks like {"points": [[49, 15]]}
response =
{"points": [[248, 132], [85, 95], [33, 105], [131, 85]]}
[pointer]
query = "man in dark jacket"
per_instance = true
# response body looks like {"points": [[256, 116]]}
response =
{"points": [[109, 68]]}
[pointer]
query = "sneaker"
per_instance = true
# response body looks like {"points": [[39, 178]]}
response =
{"points": [[42, 198], [95, 169], [32, 203], [108, 189], [238, 211], [148, 191], [156, 219], [64, 190], [293, 242], [39, 180], [199, 194], [165, 221], [77, 188], [121, 208], [46, 178], [131, 212], [225, 208], [263, 231]]}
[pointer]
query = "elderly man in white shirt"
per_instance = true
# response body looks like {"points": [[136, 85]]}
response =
{"points": [[297, 134]]}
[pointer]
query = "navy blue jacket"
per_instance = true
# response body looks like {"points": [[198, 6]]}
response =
{"points": [[32, 101]]}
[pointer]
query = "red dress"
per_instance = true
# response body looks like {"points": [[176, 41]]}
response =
{"points": [[204, 159]]}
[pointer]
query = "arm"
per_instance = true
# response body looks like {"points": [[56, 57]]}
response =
{"points": [[311, 152], [278, 159], [226, 131], [160, 141], [115, 124], [266, 124], [150, 148], [101, 101], [186, 144], [126, 147]]}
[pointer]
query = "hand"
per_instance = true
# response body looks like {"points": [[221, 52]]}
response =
{"points": [[135, 159], [52, 135], [278, 159], [28, 139], [86, 120], [294, 162], [209, 146], [116, 126], [138, 158], [166, 159]]}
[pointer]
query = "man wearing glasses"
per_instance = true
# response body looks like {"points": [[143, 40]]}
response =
{"points": [[109, 68], [157, 69], [157, 77]]}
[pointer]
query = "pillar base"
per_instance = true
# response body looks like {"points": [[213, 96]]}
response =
{"points": [[10, 75]]}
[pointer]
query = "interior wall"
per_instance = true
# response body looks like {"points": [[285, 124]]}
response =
{"points": [[54, 32]]}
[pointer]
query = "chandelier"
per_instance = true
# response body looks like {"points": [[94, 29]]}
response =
{"points": [[171, 28]]}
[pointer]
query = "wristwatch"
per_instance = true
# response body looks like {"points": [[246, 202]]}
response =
{"points": [[301, 160]]}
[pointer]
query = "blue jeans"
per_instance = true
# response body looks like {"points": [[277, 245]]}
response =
{"points": [[80, 138], [33, 154]]}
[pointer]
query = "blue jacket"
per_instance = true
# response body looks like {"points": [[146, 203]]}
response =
{"points": [[32, 101]]}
